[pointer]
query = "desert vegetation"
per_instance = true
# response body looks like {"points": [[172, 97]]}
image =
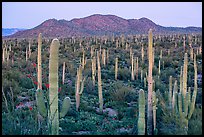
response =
{"points": [[103, 85]]}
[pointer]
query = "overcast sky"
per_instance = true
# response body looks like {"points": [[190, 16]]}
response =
{"points": [[30, 14]]}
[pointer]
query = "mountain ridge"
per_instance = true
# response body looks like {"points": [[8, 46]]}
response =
{"points": [[98, 24]]}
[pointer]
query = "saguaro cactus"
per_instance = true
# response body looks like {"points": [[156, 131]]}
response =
{"points": [[26, 55], [29, 50], [187, 101], [39, 61], [174, 98], [116, 68], [141, 115], [107, 56], [93, 60], [104, 57], [52, 110], [3, 54], [99, 84], [170, 91], [149, 108], [154, 104], [142, 52], [63, 73], [53, 90], [79, 86], [132, 68], [137, 68]]}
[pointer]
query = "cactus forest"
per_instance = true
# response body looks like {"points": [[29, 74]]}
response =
{"points": [[148, 84]]}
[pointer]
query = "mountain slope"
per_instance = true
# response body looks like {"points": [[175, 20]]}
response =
{"points": [[98, 24]]}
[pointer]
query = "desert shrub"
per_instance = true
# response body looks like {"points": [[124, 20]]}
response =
{"points": [[119, 91], [123, 74], [89, 87], [195, 123]]}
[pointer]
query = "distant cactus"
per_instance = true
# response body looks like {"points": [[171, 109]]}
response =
{"points": [[99, 84], [63, 73], [159, 68], [26, 55], [141, 75], [132, 68], [104, 57], [93, 60], [142, 52], [116, 68], [170, 92], [107, 56]]}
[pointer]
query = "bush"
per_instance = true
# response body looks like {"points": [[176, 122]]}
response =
{"points": [[119, 91]]}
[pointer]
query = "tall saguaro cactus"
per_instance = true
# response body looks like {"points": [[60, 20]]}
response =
{"points": [[79, 86], [51, 112], [39, 61], [99, 84], [141, 116], [53, 90], [150, 87]]}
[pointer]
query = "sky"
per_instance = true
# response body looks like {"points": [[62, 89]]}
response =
{"points": [[31, 14]]}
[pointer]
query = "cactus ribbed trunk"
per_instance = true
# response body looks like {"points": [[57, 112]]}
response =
{"points": [[142, 53], [53, 89], [26, 55], [137, 68], [79, 86], [116, 68], [39, 61], [63, 73], [159, 68], [99, 85], [170, 92], [191, 53], [132, 68], [93, 69], [83, 60], [29, 50], [149, 108], [154, 104], [174, 98], [192, 104], [184, 44], [141, 75], [141, 116], [107, 56], [104, 57], [3, 54], [184, 90]]}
